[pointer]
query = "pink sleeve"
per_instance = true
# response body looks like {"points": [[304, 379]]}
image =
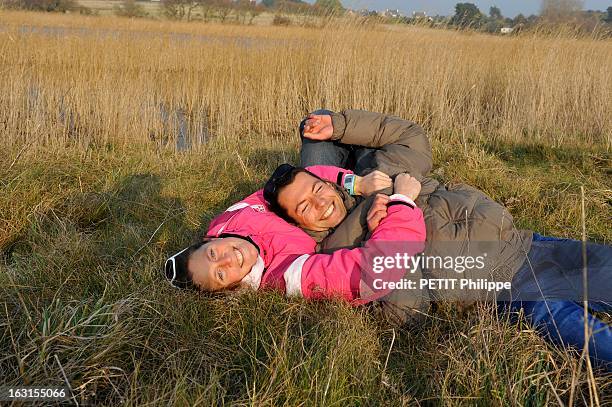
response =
{"points": [[340, 273], [330, 173]]}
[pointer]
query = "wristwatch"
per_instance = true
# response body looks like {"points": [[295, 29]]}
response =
{"points": [[349, 183]]}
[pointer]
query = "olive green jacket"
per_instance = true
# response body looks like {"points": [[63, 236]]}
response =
{"points": [[460, 220]]}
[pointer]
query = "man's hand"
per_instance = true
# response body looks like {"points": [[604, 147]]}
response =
{"points": [[373, 182], [318, 127], [377, 212], [407, 185]]}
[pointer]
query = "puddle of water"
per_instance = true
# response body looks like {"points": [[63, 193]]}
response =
{"points": [[188, 131]]}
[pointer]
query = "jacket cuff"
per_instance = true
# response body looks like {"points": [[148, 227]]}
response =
{"points": [[339, 125], [401, 199], [341, 175]]}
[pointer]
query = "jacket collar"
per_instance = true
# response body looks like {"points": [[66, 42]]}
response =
{"points": [[253, 279]]}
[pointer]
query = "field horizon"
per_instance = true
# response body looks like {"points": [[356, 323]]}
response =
{"points": [[123, 139]]}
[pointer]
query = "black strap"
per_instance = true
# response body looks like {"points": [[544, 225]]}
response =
{"points": [[339, 179], [400, 203]]}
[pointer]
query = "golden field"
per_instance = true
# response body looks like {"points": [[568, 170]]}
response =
{"points": [[258, 80], [122, 138]]}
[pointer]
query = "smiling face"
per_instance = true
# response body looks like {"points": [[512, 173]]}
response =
{"points": [[221, 263], [312, 203]]}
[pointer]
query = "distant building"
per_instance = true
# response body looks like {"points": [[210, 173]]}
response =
{"points": [[364, 12], [391, 13], [420, 16], [506, 30]]}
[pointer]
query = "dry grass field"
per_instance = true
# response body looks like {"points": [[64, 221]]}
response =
{"points": [[122, 138]]}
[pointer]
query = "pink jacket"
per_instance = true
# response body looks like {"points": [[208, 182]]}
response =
{"points": [[288, 253]]}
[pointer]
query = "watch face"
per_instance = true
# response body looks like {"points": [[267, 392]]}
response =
{"points": [[349, 183]]}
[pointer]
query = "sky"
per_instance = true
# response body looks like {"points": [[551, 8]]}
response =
{"points": [[509, 8]]}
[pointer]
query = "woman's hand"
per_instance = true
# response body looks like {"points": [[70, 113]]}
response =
{"points": [[371, 183], [377, 212], [318, 127]]}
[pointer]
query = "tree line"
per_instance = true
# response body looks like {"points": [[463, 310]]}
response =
{"points": [[240, 10], [553, 12], [467, 15]]}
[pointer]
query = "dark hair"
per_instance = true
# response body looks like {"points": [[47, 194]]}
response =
{"points": [[282, 176], [183, 277]]}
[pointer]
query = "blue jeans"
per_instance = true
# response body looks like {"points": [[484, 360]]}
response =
{"points": [[549, 288], [357, 158]]}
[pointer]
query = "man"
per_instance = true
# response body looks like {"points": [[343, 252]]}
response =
{"points": [[454, 215], [461, 221]]}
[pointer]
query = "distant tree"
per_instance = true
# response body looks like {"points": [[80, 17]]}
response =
{"points": [[42, 5], [9, 4], [329, 5], [240, 7], [207, 8], [560, 10], [467, 15], [224, 9], [254, 11], [495, 13], [268, 3], [519, 20], [245, 9], [609, 15], [129, 8], [493, 26], [179, 9], [295, 7]]}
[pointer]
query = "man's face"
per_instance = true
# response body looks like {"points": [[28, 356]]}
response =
{"points": [[221, 263], [312, 203]]}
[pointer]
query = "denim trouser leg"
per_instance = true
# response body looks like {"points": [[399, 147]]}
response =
{"points": [[563, 323], [322, 152], [365, 160], [548, 288], [359, 159]]}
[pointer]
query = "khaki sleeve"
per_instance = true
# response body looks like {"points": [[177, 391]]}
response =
{"points": [[352, 231], [398, 308], [403, 308], [402, 145]]}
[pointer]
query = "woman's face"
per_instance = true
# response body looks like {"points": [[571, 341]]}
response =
{"points": [[221, 263]]}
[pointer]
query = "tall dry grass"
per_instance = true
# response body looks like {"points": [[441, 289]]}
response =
{"points": [[93, 197], [105, 85]]}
